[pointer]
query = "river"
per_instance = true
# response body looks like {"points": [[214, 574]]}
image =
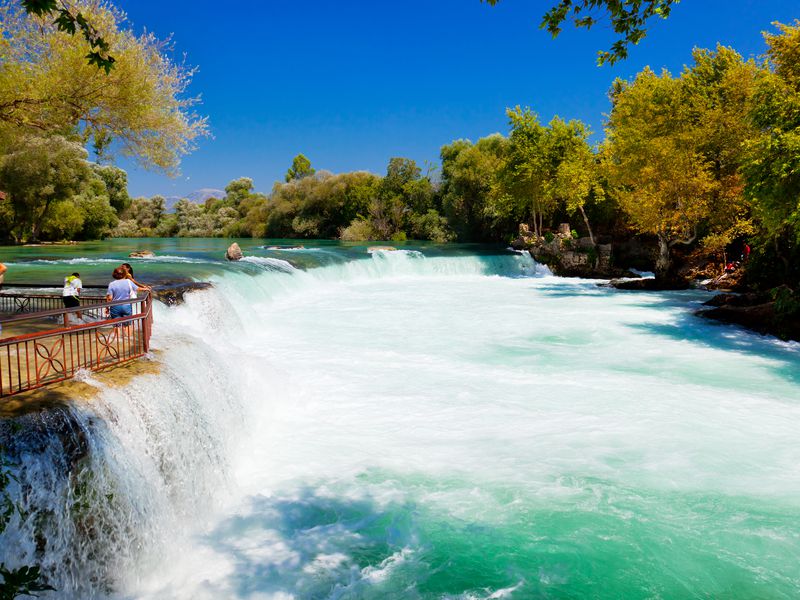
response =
{"points": [[447, 422]]}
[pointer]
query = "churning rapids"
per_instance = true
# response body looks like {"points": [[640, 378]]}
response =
{"points": [[424, 423]]}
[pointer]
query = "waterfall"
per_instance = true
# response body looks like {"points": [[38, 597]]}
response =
{"points": [[426, 423], [105, 485]]}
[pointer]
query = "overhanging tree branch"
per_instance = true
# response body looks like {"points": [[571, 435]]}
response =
{"points": [[628, 20]]}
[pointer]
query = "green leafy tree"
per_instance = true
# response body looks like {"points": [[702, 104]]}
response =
{"points": [[116, 184], [573, 177], [144, 218], [469, 174], [522, 192], [38, 174], [301, 167]]}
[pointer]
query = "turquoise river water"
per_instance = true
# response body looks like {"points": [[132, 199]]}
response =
{"points": [[443, 422]]}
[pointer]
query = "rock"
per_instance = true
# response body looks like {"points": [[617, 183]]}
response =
{"points": [[750, 299], [141, 254], [565, 230], [650, 285], [568, 257], [381, 249], [173, 294], [234, 252], [755, 311]]}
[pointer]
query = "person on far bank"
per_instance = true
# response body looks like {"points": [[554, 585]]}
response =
{"points": [[121, 288], [72, 292]]}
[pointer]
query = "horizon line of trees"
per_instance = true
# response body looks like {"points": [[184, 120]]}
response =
{"points": [[707, 158]]}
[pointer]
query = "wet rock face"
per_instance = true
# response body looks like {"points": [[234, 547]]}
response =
{"points": [[35, 432], [234, 252], [568, 256], [172, 294], [141, 254]]}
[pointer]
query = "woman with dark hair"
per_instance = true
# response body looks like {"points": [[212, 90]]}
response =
{"points": [[129, 275]]}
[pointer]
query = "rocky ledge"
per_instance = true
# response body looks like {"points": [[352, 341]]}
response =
{"points": [[568, 255], [758, 312]]}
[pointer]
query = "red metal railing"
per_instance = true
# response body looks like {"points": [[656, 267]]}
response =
{"points": [[13, 303], [33, 360]]}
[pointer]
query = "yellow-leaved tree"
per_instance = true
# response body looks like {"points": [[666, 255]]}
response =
{"points": [[48, 87], [660, 178]]}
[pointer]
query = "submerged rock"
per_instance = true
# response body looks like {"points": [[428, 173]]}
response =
{"points": [[234, 252], [381, 249], [142, 254]]}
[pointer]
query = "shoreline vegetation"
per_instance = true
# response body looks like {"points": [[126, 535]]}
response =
{"points": [[695, 170]]}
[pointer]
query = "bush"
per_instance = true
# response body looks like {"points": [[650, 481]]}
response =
{"points": [[358, 231], [549, 237]]}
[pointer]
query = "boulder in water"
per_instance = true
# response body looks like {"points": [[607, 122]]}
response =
{"points": [[381, 249], [234, 252], [142, 254]]}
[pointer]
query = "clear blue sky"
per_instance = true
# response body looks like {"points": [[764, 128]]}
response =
{"points": [[352, 83]]}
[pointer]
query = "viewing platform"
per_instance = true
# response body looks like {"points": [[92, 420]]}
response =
{"points": [[42, 343]]}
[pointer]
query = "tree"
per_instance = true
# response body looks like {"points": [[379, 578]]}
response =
{"points": [[37, 175], [144, 218], [320, 205], [575, 172], [660, 178], [469, 173], [772, 164], [116, 184], [301, 167], [628, 19], [521, 193], [47, 87], [718, 92]]}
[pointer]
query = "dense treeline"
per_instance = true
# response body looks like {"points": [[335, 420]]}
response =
{"points": [[707, 160]]}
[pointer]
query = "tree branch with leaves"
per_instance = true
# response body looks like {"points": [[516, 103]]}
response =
{"points": [[628, 19]]}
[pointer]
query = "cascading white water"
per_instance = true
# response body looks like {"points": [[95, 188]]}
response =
{"points": [[406, 426]]}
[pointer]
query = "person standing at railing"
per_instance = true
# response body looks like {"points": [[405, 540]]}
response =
{"points": [[120, 289], [129, 276], [72, 292]]}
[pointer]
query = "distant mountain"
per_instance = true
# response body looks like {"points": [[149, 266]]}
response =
{"points": [[197, 196]]}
